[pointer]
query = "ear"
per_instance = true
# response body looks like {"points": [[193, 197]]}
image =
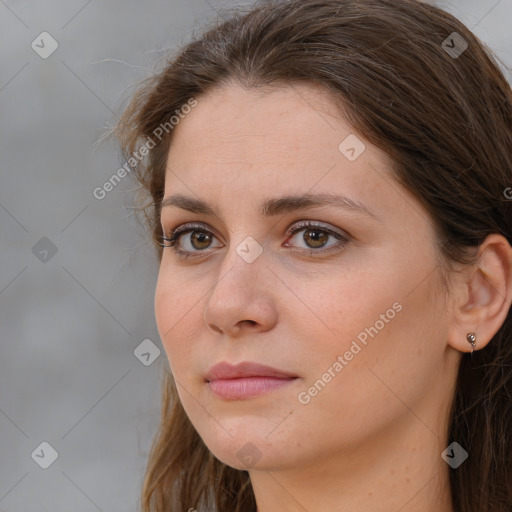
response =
{"points": [[482, 295]]}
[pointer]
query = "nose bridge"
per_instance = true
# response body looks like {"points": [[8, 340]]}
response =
{"points": [[246, 239], [240, 292], [244, 261]]}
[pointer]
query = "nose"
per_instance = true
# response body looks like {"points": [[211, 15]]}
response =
{"points": [[243, 297]]}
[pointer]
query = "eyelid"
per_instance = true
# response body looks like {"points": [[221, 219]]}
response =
{"points": [[295, 225], [301, 224]]}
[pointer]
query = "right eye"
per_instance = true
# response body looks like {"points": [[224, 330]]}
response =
{"points": [[199, 241]]}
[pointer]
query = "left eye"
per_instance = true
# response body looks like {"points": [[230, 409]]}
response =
{"points": [[315, 237]]}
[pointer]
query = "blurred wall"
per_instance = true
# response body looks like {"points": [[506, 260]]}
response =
{"points": [[81, 359]]}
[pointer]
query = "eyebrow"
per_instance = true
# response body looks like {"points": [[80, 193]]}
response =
{"points": [[273, 206]]}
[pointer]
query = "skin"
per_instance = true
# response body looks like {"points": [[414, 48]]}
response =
{"points": [[371, 439]]}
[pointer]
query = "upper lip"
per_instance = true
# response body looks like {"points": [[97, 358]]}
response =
{"points": [[225, 370]]}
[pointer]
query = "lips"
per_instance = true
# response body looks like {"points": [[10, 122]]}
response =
{"points": [[245, 380], [245, 370]]}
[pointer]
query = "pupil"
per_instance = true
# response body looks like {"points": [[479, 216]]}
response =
{"points": [[200, 238], [319, 235]]}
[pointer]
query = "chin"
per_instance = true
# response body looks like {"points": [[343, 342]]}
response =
{"points": [[246, 452]]}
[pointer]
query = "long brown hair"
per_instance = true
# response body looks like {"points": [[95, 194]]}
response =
{"points": [[439, 106]]}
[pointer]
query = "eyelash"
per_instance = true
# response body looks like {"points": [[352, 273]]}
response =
{"points": [[187, 228]]}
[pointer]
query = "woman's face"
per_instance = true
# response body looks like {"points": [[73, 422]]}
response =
{"points": [[349, 311]]}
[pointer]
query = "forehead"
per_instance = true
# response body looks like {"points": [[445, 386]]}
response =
{"points": [[277, 116], [232, 128], [242, 144]]}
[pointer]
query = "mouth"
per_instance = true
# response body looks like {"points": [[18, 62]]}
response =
{"points": [[245, 380]]}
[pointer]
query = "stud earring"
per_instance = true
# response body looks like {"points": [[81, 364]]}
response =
{"points": [[471, 337]]}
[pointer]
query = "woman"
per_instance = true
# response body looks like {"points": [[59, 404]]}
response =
{"points": [[329, 193]]}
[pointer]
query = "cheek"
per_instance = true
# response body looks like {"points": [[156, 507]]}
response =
{"points": [[400, 359], [387, 328], [379, 382], [351, 306], [175, 310]]}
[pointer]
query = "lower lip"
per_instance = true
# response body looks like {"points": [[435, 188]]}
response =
{"points": [[247, 387]]}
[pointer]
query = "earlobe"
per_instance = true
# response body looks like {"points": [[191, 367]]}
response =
{"points": [[483, 297], [472, 340]]}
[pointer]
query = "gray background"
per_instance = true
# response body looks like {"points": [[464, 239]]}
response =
{"points": [[70, 322]]}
